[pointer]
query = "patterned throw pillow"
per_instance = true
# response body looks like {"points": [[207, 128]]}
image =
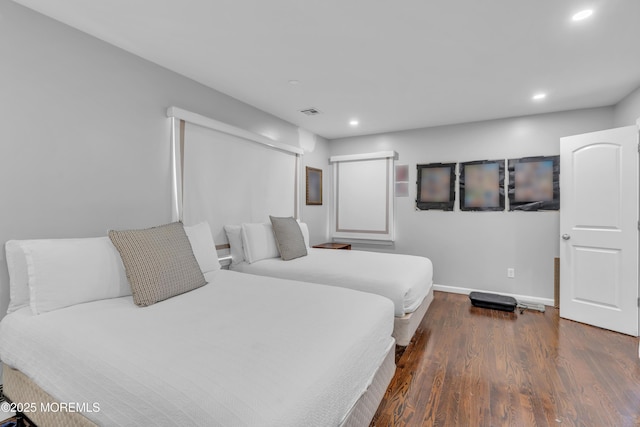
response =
{"points": [[289, 238], [159, 262]]}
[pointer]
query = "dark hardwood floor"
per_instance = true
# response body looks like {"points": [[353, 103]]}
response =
{"points": [[468, 366]]}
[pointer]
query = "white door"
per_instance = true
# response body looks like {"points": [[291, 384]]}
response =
{"points": [[599, 229]]}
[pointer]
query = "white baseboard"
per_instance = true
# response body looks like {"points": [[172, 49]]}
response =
{"points": [[519, 298]]}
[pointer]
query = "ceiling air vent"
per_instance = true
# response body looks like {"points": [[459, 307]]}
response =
{"points": [[310, 111]]}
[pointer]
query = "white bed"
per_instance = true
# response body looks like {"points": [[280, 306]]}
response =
{"points": [[242, 350], [406, 280]]}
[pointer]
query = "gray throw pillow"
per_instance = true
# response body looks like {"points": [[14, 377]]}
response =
{"points": [[159, 262], [289, 238]]}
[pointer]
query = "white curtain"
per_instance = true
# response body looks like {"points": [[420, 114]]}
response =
{"points": [[226, 179]]}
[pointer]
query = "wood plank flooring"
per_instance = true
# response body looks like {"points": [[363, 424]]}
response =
{"points": [[468, 366]]}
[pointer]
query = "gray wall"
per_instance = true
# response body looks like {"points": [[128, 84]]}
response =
{"points": [[627, 111], [474, 249], [85, 142], [316, 155]]}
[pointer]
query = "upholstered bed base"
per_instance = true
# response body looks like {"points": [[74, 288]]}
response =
{"points": [[365, 408], [404, 327], [18, 388]]}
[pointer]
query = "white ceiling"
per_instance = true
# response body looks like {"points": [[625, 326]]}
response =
{"points": [[392, 64]]}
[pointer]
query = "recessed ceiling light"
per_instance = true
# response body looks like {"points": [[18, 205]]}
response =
{"points": [[539, 96], [354, 122], [294, 82], [583, 14]]}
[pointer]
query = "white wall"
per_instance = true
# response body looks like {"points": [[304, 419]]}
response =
{"points": [[85, 138], [474, 249], [316, 155], [627, 111]]}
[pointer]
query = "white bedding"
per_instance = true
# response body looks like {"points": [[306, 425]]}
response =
{"points": [[240, 351], [404, 279]]}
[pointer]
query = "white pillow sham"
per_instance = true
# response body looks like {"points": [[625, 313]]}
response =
{"points": [[199, 236], [203, 246], [252, 242], [18, 276], [305, 233], [259, 242], [65, 272], [234, 236]]}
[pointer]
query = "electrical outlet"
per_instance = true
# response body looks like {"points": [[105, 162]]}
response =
{"points": [[511, 273]]}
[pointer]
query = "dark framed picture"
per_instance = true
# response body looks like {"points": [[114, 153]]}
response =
{"points": [[436, 186], [314, 186], [482, 185], [534, 183]]}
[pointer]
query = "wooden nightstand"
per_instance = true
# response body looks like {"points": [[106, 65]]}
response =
{"points": [[332, 245]]}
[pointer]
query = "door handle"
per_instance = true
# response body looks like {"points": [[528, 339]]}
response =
{"points": [[565, 237]]}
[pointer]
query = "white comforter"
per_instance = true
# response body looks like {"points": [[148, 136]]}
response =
{"points": [[240, 351], [404, 279]]}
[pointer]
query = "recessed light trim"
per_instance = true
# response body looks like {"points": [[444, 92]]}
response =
{"points": [[294, 82], [354, 122], [539, 96], [583, 14]]}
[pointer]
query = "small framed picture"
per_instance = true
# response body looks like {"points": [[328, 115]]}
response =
{"points": [[402, 180], [402, 173], [402, 189], [314, 186], [436, 186]]}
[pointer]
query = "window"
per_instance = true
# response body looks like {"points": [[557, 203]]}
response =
{"points": [[363, 196]]}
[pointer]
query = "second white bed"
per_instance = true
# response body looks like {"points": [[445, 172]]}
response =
{"points": [[406, 280]]}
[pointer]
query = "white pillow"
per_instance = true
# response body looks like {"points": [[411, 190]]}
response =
{"points": [[203, 246], [305, 232], [234, 236], [259, 242], [65, 272], [18, 276]]}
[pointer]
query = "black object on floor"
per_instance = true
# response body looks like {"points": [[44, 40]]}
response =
{"points": [[493, 301]]}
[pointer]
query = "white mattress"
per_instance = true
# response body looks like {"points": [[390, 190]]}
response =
{"points": [[404, 279], [240, 351]]}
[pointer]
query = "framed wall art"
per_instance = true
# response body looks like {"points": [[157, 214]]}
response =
{"points": [[436, 186], [482, 185], [534, 183], [402, 181], [314, 186]]}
